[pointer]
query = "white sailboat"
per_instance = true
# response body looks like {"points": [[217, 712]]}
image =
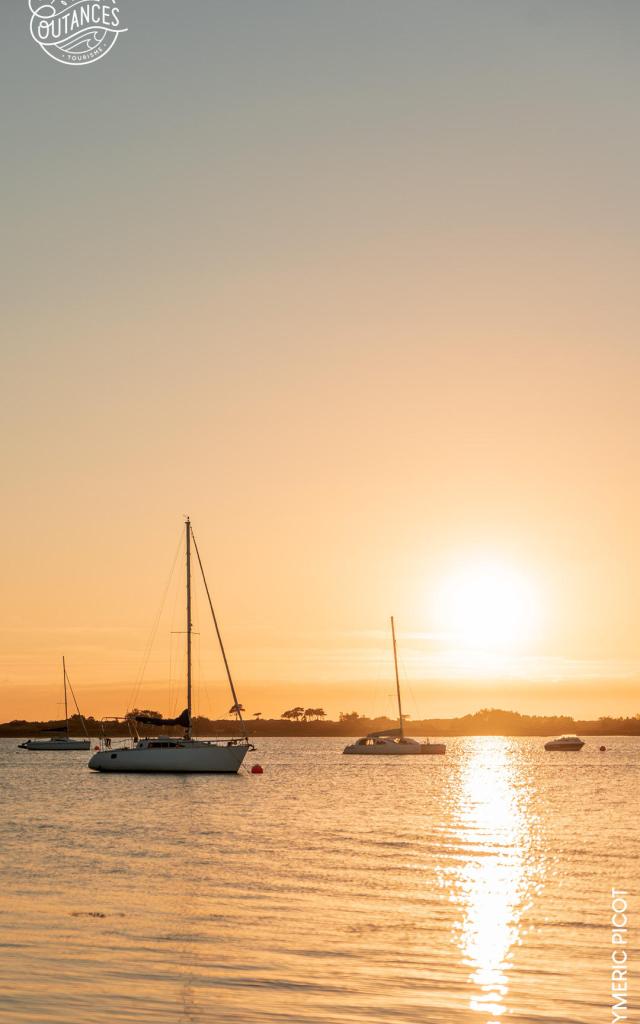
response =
{"points": [[169, 753], [393, 741], [65, 742]]}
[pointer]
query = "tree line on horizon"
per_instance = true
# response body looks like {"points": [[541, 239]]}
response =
{"points": [[313, 721]]}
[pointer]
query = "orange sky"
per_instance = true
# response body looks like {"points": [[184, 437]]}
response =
{"points": [[358, 293]]}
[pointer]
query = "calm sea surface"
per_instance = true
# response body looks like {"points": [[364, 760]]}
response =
{"points": [[470, 888]]}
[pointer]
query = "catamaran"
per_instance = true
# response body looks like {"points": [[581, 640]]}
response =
{"points": [[169, 753], [393, 741], [65, 742]]}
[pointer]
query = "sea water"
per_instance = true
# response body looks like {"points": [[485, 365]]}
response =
{"points": [[474, 887]]}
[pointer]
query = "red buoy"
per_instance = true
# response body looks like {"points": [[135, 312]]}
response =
{"points": [[257, 769], [96, 748]]}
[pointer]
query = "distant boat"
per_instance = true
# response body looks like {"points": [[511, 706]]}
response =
{"points": [[61, 742], [168, 753], [393, 741], [565, 743]]}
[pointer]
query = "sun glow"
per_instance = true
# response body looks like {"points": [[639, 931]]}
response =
{"points": [[489, 606]]}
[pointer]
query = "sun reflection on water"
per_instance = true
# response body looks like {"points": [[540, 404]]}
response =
{"points": [[492, 884]]}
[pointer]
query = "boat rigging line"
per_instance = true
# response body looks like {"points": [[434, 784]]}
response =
{"points": [[236, 703]]}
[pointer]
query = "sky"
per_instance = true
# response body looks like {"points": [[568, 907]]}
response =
{"points": [[354, 285]]}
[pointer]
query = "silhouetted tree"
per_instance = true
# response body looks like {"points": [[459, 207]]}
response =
{"points": [[315, 713], [143, 711], [294, 714]]}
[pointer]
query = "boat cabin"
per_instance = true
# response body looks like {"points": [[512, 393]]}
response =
{"points": [[380, 741]]}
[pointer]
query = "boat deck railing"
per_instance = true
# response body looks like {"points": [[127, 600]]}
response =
{"points": [[111, 725], [110, 740]]}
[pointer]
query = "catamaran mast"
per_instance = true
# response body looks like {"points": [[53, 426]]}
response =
{"points": [[395, 662], [64, 683], [188, 530]]}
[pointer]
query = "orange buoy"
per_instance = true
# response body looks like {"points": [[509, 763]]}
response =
{"points": [[257, 769]]}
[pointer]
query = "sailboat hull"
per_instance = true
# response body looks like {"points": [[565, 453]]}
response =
{"points": [[197, 757], [395, 749], [55, 745]]}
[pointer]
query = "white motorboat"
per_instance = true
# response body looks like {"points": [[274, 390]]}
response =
{"points": [[393, 741], [170, 753], [65, 742], [565, 743]]}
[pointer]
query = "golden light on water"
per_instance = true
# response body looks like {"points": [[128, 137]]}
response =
{"points": [[492, 885], [489, 605]]}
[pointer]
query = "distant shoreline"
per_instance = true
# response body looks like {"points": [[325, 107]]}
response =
{"points": [[488, 722]]}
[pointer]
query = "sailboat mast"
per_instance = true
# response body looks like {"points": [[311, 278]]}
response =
{"points": [[395, 662], [64, 683], [188, 531]]}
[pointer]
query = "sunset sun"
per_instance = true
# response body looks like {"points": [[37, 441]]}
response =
{"points": [[488, 604]]}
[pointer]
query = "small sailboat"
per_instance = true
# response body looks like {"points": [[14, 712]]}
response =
{"points": [[565, 743], [170, 753], [65, 742], [393, 741]]}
